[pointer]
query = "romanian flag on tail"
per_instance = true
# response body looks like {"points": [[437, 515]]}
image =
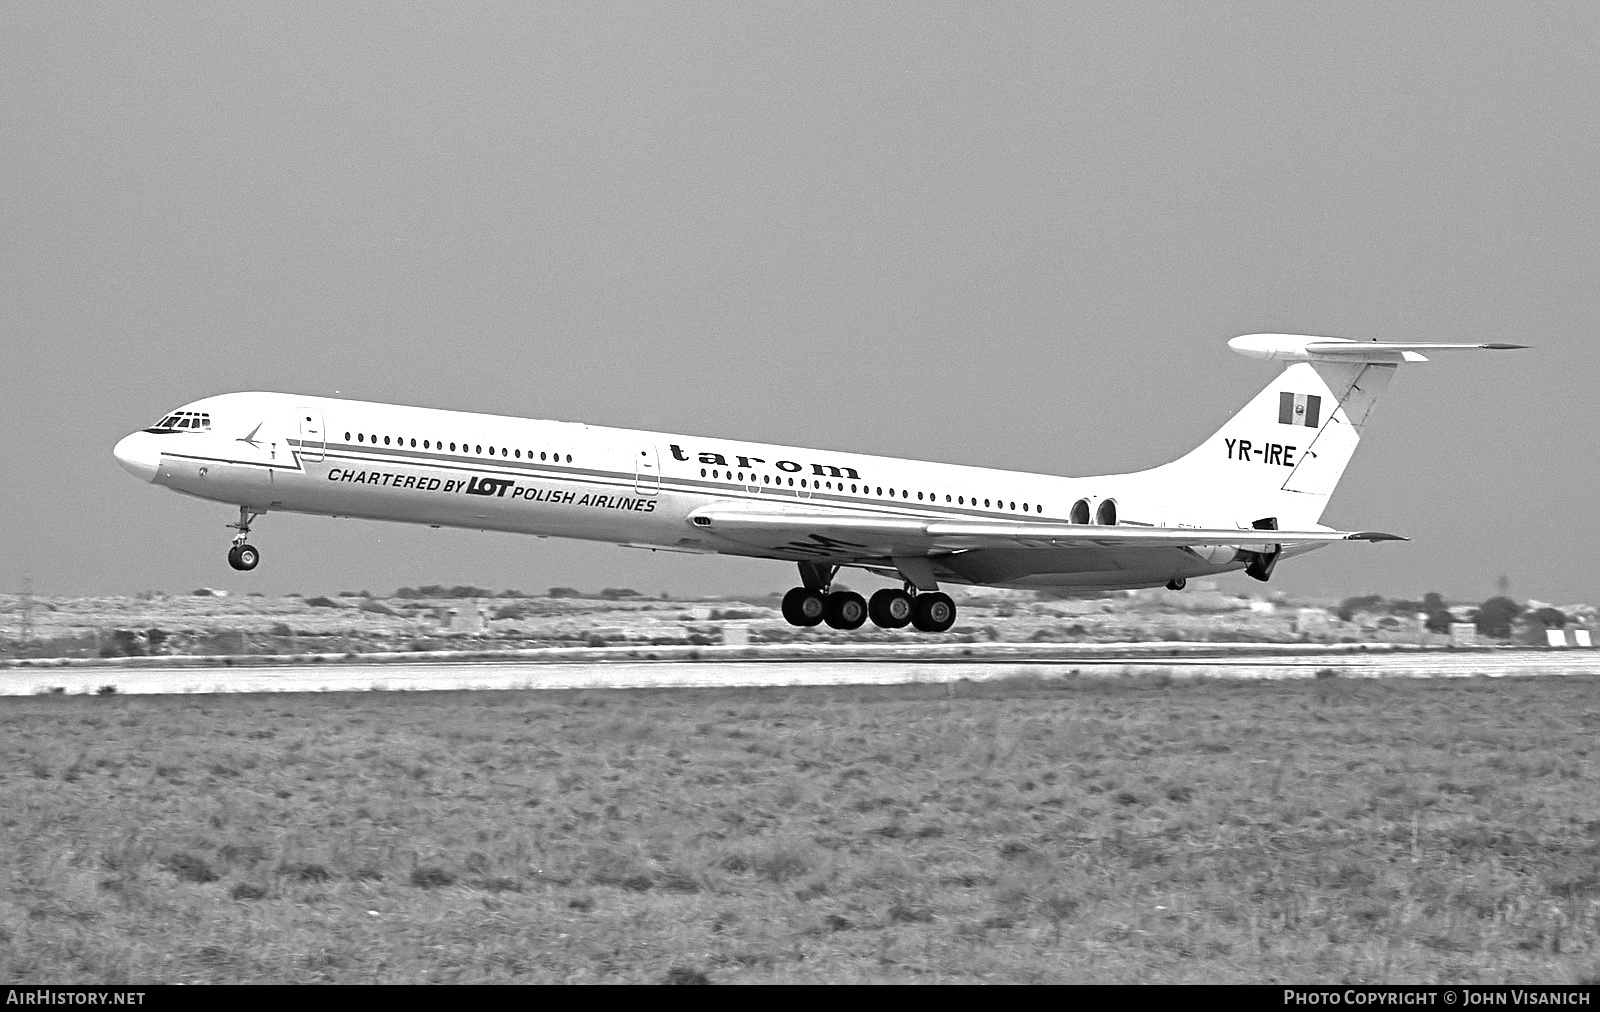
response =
{"points": [[1299, 409]]}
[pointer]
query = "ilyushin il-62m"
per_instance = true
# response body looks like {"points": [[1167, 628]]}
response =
{"points": [[1246, 498]]}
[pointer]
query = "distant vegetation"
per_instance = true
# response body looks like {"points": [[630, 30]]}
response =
{"points": [[436, 617], [1499, 617], [435, 592], [1432, 606]]}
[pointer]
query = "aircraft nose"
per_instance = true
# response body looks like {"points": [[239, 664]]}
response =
{"points": [[138, 455]]}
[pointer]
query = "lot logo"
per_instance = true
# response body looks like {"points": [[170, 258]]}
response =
{"points": [[489, 486]]}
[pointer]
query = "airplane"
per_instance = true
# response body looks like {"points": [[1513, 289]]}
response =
{"points": [[1246, 498]]}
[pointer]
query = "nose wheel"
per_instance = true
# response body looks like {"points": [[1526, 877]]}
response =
{"points": [[243, 557]]}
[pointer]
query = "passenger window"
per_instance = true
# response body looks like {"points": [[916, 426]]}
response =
{"points": [[347, 437]]}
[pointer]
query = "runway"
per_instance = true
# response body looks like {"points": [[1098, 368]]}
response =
{"points": [[526, 674]]}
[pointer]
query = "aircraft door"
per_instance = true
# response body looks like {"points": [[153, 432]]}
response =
{"points": [[646, 470], [313, 440]]}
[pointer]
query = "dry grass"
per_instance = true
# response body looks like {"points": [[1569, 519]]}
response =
{"points": [[1324, 830]]}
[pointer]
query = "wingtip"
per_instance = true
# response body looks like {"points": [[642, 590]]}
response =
{"points": [[1375, 536], [1502, 346]]}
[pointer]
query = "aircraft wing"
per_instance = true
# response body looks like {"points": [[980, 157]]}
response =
{"points": [[867, 536]]}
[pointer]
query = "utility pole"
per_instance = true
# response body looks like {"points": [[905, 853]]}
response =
{"points": [[25, 634]]}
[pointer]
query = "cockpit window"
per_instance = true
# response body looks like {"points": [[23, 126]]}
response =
{"points": [[182, 420]]}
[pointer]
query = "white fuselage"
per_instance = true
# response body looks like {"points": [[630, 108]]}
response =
{"points": [[273, 452]]}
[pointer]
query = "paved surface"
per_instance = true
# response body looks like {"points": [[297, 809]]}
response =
{"points": [[148, 679]]}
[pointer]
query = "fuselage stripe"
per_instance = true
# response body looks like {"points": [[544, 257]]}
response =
{"points": [[735, 490]]}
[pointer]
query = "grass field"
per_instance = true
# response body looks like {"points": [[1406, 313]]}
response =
{"points": [[1077, 830]]}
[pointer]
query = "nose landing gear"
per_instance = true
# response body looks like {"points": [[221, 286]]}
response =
{"points": [[242, 556]]}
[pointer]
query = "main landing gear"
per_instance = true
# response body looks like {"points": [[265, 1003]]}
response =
{"points": [[814, 604], [242, 556], [842, 609]]}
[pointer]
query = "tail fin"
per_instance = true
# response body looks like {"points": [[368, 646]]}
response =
{"points": [[1285, 451]]}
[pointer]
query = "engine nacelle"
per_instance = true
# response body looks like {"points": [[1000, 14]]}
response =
{"points": [[1276, 347]]}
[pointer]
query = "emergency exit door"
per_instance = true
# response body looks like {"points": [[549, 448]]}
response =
{"points": [[313, 441], [646, 470]]}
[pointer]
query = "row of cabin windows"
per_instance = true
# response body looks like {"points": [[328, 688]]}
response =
{"points": [[766, 479], [961, 500], [432, 444]]}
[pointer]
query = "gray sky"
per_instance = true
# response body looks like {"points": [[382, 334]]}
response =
{"points": [[1006, 235]]}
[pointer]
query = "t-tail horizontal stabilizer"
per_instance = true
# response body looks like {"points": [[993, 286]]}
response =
{"points": [[1298, 348]]}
